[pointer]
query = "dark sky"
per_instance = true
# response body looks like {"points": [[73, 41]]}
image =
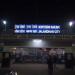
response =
{"points": [[37, 11]]}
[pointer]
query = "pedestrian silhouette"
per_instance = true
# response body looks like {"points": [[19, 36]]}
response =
{"points": [[50, 65]]}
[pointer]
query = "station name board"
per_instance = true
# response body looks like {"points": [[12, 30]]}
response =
{"points": [[37, 28]]}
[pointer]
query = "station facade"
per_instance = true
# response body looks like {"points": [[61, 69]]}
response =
{"points": [[37, 40]]}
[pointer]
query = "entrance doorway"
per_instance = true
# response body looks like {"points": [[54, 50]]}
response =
{"points": [[36, 55]]}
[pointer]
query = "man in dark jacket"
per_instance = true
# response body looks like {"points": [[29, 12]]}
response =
{"points": [[69, 60], [6, 60], [50, 64]]}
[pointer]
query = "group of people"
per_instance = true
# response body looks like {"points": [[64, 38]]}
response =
{"points": [[51, 61], [68, 62]]}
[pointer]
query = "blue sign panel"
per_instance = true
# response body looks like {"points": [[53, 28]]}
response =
{"points": [[37, 28]]}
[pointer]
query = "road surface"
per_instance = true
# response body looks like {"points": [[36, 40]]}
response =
{"points": [[40, 69]]}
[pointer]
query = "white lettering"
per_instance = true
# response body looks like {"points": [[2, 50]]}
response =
{"points": [[57, 31], [28, 26], [34, 31], [34, 26], [40, 31], [17, 26], [57, 27], [22, 26], [52, 31], [49, 31], [22, 31], [16, 31], [28, 31], [42, 27], [53, 27]]}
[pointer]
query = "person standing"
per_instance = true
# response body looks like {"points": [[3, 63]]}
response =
{"points": [[6, 61], [69, 60], [50, 64]]}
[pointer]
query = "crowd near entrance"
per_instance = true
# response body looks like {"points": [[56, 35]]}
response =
{"points": [[50, 56], [37, 55]]}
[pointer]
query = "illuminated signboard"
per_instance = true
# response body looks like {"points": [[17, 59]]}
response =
{"points": [[36, 28]]}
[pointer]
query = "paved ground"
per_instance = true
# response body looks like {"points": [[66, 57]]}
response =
{"points": [[40, 69]]}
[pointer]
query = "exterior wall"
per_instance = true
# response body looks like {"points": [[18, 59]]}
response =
{"points": [[43, 44], [69, 50]]}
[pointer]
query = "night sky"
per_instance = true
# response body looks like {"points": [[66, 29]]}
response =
{"points": [[37, 11]]}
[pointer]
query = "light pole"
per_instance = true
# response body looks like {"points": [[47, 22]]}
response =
{"points": [[71, 23], [4, 23]]}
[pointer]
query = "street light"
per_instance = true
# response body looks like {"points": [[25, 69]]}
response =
{"points": [[71, 24], [37, 40], [4, 22]]}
